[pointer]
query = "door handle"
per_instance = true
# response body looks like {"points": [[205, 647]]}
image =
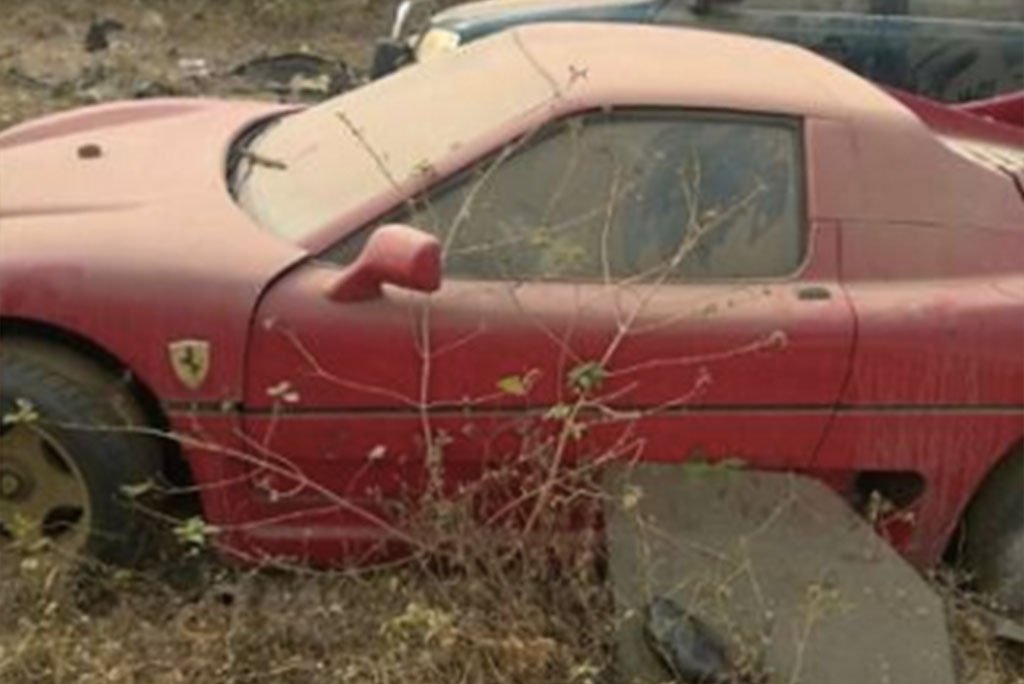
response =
{"points": [[813, 293]]}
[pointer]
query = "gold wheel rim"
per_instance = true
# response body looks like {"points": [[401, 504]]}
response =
{"points": [[44, 503]]}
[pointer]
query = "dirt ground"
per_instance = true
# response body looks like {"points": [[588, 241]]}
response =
{"points": [[166, 47], [195, 47]]}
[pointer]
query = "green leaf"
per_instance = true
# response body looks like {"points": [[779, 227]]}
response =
{"points": [[514, 385], [134, 491], [701, 465], [21, 527], [631, 497], [25, 413], [519, 385], [194, 531], [576, 430], [587, 377], [558, 412]]}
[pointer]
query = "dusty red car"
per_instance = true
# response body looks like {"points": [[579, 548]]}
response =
{"points": [[719, 246]]}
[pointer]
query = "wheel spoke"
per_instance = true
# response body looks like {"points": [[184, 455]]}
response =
{"points": [[53, 502], [57, 484], [21, 442]]}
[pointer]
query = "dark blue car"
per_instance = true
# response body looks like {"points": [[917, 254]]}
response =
{"points": [[952, 50]]}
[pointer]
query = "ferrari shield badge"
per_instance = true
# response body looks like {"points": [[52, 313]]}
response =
{"points": [[190, 360]]}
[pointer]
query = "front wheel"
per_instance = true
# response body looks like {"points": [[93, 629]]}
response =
{"points": [[67, 451]]}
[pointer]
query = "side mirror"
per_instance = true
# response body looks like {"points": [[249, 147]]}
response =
{"points": [[394, 255]]}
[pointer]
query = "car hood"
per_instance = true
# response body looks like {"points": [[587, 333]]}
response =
{"points": [[118, 156], [120, 213]]}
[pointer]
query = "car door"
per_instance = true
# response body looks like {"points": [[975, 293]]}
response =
{"points": [[656, 266], [951, 50]]}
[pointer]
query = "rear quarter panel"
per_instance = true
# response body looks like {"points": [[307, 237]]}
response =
{"points": [[933, 262]]}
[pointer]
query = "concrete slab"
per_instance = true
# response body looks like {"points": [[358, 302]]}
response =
{"points": [[798, 584]]}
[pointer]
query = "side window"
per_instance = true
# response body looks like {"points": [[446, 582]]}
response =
{"points": [[979, 10], [856, 6], [645, 195]]}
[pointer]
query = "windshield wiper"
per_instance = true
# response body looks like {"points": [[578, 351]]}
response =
{"points": [[240, 151]]}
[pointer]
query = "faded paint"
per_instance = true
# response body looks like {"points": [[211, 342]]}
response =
{"points": [[92, 246], [906, 356], [510, 84]]}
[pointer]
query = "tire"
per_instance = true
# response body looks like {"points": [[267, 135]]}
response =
{"points": [[994, 535], [66, 455]]}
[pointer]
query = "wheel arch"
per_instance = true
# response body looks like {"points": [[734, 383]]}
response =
{"points": [[1011, 458], [174, 465]]}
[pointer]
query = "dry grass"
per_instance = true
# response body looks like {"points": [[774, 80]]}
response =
{"points": [[981, 656], [491, 618], [469, 607], [403, 625]]}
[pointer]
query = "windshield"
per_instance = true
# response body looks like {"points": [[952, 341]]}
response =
{"points": [[314, 167]]}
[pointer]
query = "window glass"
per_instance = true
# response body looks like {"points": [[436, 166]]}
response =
{"points": [[647, 195], [986, 10], [683, 10], [856, 6], [981, 10]]}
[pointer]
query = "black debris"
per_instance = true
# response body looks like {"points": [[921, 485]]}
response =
{"points": [[297, 73], [98, 36], [688, 648]]}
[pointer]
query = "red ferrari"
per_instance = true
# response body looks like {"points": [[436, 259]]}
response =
{"points": [[687, 244]]}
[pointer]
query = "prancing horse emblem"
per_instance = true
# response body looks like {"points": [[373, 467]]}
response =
{"points": [[190, 360]]}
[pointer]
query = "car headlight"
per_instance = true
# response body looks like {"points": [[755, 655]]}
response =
{"points": [[436, 42]]}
